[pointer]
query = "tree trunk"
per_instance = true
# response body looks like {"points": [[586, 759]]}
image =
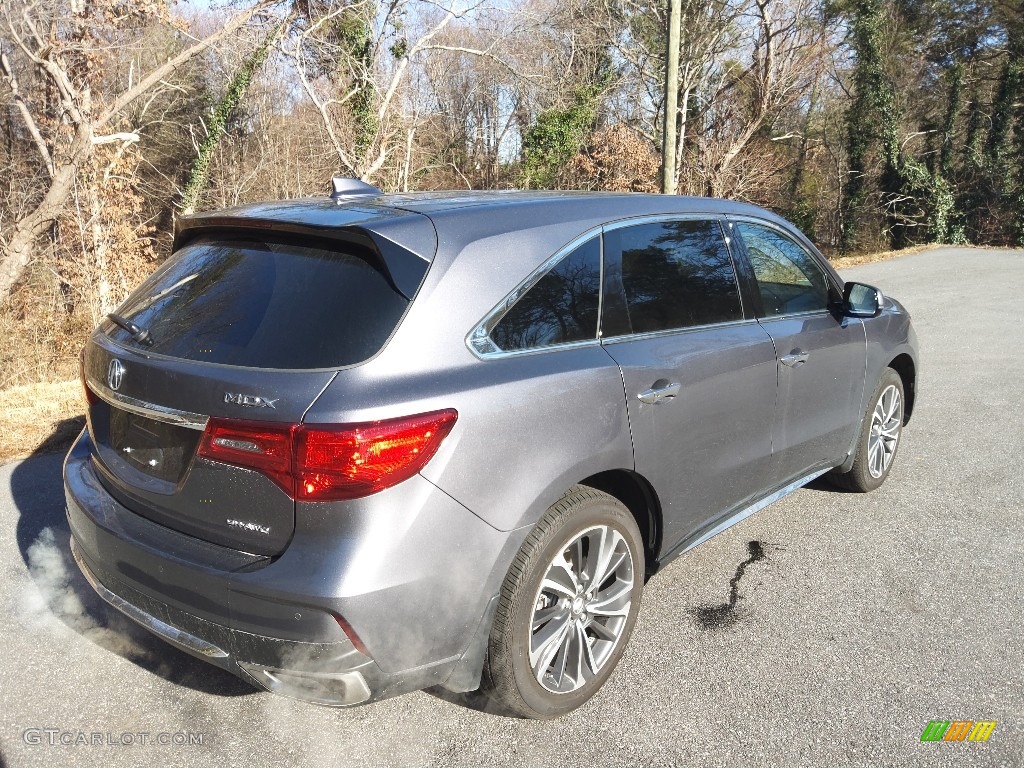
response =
{"points": [[668, 136], [684, 113], [26, 230]]}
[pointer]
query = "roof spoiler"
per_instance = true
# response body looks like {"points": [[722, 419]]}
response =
{"points": [[343, 186]]}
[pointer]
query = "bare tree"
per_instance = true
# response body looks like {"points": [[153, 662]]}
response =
{"points": [[785, 46], [62, 48], [358, 97]]}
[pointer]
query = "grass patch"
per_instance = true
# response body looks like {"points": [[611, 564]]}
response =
{"points": [[40, 418]]}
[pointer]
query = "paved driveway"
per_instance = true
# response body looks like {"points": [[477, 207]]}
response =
{"points": [[855, 619]]}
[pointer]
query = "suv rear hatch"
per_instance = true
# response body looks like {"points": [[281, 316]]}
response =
{"points": [[244, 326]]}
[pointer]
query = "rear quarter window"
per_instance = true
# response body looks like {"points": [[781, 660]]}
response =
{"points": [[268, 304], [561, 308]]}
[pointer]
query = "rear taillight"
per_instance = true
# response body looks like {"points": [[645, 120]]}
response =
{"points": [[252, 444], [330, 462], [357, 460]]}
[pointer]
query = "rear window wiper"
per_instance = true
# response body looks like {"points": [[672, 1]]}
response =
{"points": [[141, 335]]}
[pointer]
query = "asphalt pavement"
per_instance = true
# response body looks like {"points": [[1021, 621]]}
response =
{"points": [[857, 619]]}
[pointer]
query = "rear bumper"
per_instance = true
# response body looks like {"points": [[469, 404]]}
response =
{"points": [[334, 674], [411, 576]]}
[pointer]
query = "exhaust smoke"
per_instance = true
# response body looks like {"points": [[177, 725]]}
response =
{"points": [[58, 593]]}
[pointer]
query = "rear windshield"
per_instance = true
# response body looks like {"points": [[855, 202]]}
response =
{"points": [[266, 304]]}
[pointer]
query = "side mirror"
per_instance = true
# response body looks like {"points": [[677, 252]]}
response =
{"points": [[860, 300]]}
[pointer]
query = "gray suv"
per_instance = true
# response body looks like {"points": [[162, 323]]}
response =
{"points": [[361, 445]]}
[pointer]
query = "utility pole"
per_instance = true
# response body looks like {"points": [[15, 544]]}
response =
{"points": [[668, 135]]}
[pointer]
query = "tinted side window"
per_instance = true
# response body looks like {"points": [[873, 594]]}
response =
{"points": [[787, 276], [560, 308], [675, 274]]}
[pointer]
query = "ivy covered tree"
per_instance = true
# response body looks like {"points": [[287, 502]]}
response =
{"points": [[555, 138], [933, 139]]}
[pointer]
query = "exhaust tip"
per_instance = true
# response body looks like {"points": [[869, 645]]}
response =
{"points": [[332, 689]]}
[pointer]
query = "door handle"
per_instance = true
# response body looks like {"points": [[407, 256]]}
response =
{"points": [[795, 359], [662, 390]]}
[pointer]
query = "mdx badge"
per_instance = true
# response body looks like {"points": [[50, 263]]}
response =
{"points": [[250, 401], [115, 374]]}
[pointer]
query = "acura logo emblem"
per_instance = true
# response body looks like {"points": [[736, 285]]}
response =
{"points": [[115, 374]]}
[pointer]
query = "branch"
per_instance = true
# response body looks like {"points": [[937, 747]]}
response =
{"points": [[914, 135], [325, 116], [127, 138], [483, 54], [26, 115], [404, 63], [171, 65]]}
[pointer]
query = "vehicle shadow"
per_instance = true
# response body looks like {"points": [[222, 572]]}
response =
{"points": [[43, 539], [821, 484], [474, 700]]}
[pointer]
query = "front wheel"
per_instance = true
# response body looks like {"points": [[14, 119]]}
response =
{"points": [[567, 607], [880, 436]]}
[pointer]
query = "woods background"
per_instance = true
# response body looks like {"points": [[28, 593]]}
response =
{"points": [[871, 124]]}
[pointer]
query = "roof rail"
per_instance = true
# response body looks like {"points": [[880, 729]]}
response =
{"points": [[343, 186]]}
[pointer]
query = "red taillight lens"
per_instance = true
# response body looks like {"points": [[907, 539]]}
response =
{"points": [[254, 445], [334, 463], [327, 462]]}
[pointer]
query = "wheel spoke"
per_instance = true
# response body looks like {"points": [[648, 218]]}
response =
{"points": [[587, 655], [879, 415], [873, 450], [890, 430], [894, 406], [614, 601], [561, 578], [543, 615], [613, 567], [607, 561], [561, 659], [545, 644], [603, 632], [575, 560], [574, 648]]}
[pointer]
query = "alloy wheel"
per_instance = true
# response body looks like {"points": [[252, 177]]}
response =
{"points": [[886, 421], [581, 609]]}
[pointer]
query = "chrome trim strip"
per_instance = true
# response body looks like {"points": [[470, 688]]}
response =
{"points": [[658, 218], [743, 514], [172, 635], [149, 410], [806, 313], [674, 331], [537, 350]]}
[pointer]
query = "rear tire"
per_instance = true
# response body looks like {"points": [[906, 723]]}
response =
{"points": [[567, 607], [879, 437]]}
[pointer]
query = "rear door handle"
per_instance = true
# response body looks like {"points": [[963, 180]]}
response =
{"points": [[662, 390], [795, 359]]}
